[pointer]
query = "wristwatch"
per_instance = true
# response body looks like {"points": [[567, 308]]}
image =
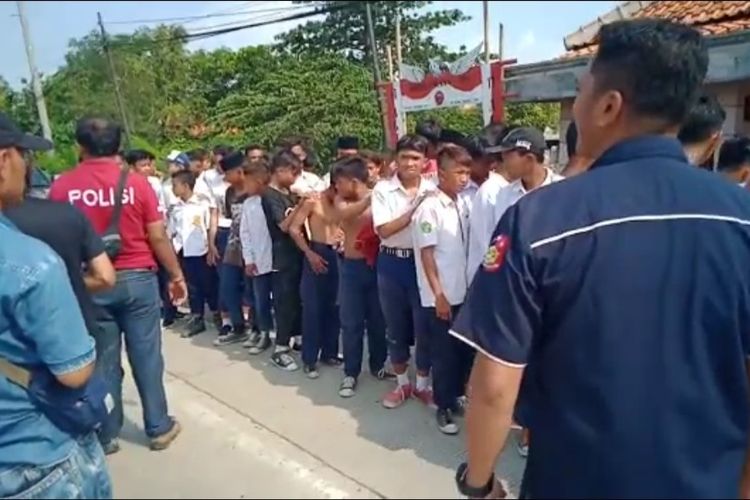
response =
{"points": [[469, 491]]}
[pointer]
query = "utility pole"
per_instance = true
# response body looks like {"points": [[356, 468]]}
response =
{"points": [[501, 41], [399, 60], [115, 80], [486, 9], [36, 83], [376, 70]]}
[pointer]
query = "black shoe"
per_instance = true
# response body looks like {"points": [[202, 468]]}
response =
{"points": [[195, 326], [311, 371], [180, 315], [111, 447], [232, 336], [333, 362], [263, 343], [445, 422], [166, 323], [284, 360]]}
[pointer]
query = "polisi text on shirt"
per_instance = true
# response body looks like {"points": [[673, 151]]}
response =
{"points": [[100, 197]]}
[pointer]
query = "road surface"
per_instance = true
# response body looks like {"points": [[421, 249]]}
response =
{"points": [[253, 431]]}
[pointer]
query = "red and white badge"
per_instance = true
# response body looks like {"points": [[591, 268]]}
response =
{"points": [[495, 255]]}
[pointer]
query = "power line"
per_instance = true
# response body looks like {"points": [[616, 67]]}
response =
{"points": [[209, 16]]}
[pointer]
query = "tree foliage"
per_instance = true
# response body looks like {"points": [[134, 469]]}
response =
{"points": [[316, 83]]}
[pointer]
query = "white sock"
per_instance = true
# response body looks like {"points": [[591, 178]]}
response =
{"points": [[423, 383], [226, 322], [402, 379]]}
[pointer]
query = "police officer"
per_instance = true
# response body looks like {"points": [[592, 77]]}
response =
{"points": [[626, 292]]}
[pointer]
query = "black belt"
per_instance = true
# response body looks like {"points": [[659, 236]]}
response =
{"points": [[401, 253]]}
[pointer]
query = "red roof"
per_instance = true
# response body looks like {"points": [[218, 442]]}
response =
{"points": [[711, 18]]}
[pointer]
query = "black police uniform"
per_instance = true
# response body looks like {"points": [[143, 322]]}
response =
{"points": [[626, 291]]}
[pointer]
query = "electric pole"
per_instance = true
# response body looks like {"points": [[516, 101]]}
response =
{"points": [[115, 80], [486, 11], [376, 71], [36, 83]]}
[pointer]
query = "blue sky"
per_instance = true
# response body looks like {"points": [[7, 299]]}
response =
{"points": [[533, 30]]}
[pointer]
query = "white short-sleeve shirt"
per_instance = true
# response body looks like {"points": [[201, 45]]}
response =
{"points": [[390, 201], [482, 216], [510, 194], [188, 224], [442, 223], [308, 182], [212, 186]]}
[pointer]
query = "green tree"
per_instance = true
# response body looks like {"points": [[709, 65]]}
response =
{"points": [[344, 31]]}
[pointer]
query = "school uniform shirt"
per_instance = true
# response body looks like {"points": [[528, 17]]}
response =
{"points": [[257, 247], [482, 220], [158, 188], [390, 201], [189, 222], [624, 293], [467, 195], [276, 207], [170, 199], [233, 206], [510, 194], [308, 182], [442, 223], [212, 185]]}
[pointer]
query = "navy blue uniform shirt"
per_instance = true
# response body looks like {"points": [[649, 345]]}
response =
{"points": [[625, 292]]}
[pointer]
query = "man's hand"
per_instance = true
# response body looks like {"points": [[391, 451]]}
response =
{"points": [[442, 308], [213, 255], [317, 263], [251, 270], [177, 290]]}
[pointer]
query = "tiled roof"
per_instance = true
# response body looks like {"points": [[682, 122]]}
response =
{"points": [[711, 18]]}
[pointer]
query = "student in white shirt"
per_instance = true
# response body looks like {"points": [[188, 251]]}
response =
{"points": [[142, 162], [441, 240], [188, 225], [393, 204], [483, 202], [257, 247]]}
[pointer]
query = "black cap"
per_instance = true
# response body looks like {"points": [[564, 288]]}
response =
{"points": [[347, 142], [12, 137], [526, 139], [232, 161], [453, 137]]}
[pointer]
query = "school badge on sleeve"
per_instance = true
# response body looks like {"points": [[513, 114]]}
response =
{"points": [[426, 227], [495, 255]]}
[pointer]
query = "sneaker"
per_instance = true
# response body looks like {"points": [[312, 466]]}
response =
{"points": [[217, 320], [252, 340], [167, 322], [162, 442], [285, 361], [195, 326], [397, 396], [311, 371], [180, 315], [263, 343], [348, 387], [232, 337], [333, 362], [111, 447], [445, 422], [384, 374], [425, 397]]}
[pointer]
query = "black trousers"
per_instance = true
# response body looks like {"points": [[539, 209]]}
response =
{"points": [[287, 303], [452, 361]]}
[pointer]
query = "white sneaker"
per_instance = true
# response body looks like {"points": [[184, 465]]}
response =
{"points": [[285, 361], [348, 387]]}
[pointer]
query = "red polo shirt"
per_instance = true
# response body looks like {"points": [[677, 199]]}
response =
{"points": [[91, 187]]}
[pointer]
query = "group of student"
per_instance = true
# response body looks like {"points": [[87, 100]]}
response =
{"points": [[381, 246]]}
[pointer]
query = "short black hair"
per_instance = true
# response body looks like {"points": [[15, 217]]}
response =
{"points": [[491, 136], [223, 150], [133, 156], [253, 147], [734, 154], [705, 119], [198, 154], [430, 129], [352, 167], [256, 168], [658, 65], [455, 155], [184, 177], [413, 142], [284, 159], [99, 137], [571, 139]]}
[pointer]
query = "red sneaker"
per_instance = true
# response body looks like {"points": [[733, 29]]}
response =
{"points": [[425, 397], [397, 396]]}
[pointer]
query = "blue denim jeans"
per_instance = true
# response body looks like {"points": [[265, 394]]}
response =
{"points": [[320, 316], [262, 287], [405, 318], [82, 475], [359, 309], [232, 289], [132, 308]]}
